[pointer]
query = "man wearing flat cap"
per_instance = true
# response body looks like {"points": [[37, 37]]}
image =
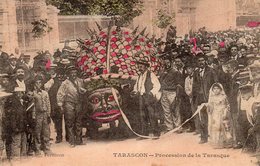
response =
{"points": [[10, 67], [69, 100], [147, 89]]}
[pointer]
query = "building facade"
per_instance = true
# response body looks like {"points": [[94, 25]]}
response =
{"points": [[191, 15], [16, 17], [8, 25]]}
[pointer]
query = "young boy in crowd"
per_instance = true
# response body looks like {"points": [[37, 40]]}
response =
{"points": [[43, 110], [190, 67], [31, 121]]}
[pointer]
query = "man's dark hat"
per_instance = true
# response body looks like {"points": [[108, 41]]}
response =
{"points": [[143, 62], [12, 57], [71, 68], [60, 71], [27, 56], [190, 64], [57, 54], [201, 55], [19, 67], [5, 75], [246, 88], [179, 56]]}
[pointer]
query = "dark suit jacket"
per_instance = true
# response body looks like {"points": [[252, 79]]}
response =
{"points": [[3, 60], [15, 115], [202, 85], [170, 79], [9, 70]]}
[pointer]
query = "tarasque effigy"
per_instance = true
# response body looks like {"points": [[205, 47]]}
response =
{"points": [[108, 60]]}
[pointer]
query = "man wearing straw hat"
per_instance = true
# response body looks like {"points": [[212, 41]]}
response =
{"points": [[147, 89]]}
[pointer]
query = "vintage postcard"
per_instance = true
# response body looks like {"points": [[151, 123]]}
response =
{"points": [[122, 83]]}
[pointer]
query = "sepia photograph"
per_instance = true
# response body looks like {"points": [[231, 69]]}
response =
{"points": [[129, 82]]}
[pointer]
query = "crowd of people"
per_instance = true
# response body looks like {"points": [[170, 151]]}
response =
{"points": [[208, 72], [205, 71]]}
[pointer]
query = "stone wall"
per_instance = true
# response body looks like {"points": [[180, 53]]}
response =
{"points": [[216, 15], [8, 25], [73, 27]]}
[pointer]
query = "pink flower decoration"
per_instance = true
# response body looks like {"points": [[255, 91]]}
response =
{"points": [[95, 49], [104, 36], [84, 58], [113, 54], [132, 63], [131, 73], [80, 63], [125, 56], [128, 39], [96, 68], [149, 45], [103, 59], [126, 33], [101, 33], [113, 39], [113, 32], [222, 44], [123, 67], [147, 52], [87, 42], [153, 59], [89, 73], [141, 39], [137, 47], [117, 62], [105, 71], [103, 52], [253, 24], [103, 43], [93, 62], [85, 68], [127, 47], [114, 46], [48, 64]]}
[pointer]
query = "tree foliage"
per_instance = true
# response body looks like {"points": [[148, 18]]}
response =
{"points": [[164, 17], [123, 10], [40, 28]]}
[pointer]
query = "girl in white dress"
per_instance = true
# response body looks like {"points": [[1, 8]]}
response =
{"points": [[219, 120]]}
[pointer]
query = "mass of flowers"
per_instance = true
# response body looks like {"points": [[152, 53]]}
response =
{"points": [[123, 47]]}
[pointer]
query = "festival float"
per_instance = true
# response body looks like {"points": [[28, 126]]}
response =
{"points": [[108, 62]]}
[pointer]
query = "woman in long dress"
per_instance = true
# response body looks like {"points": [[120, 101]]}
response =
{"points": [[219, 120]]}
